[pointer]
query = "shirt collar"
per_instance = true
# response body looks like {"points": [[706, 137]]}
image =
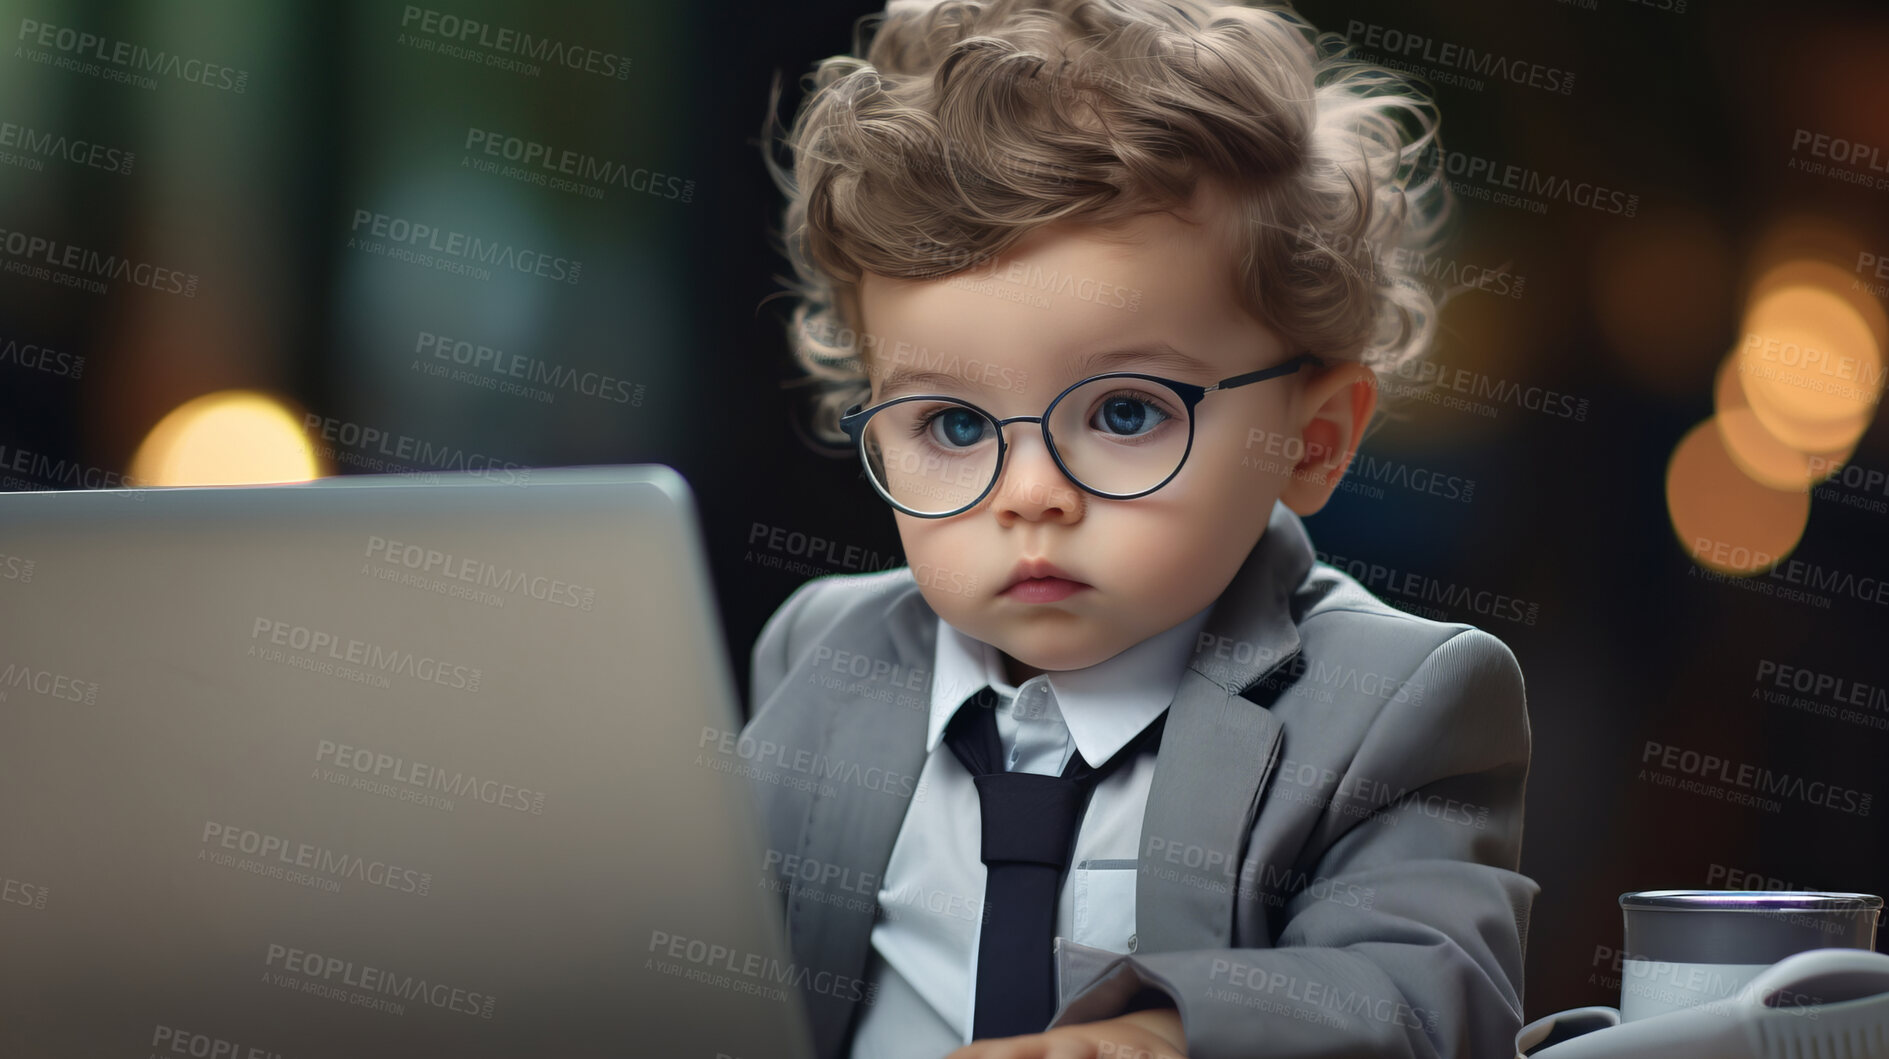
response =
{"points": [[1104, 705]]}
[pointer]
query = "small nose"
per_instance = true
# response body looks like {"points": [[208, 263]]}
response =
{"points": [[1031, 486]]}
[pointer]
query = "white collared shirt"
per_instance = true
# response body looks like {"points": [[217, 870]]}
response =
{"points": [[924, 950]]}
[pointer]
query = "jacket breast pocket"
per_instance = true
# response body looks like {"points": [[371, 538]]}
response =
{"points": [[1104, 904]]}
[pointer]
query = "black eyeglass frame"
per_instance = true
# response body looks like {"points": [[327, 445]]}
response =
{"points": [[853, 422]]}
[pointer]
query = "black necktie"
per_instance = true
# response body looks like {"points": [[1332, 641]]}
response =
{"points": [[1029, 832]]}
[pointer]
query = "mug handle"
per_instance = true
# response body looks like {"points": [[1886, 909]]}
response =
{"points": [[1561, 1026]]}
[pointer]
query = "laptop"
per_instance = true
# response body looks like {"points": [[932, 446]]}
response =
{"points": [[377, 767]]}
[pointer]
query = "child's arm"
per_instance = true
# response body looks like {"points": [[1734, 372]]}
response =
{"points": [[772, 652], [1151, 1034], [789, 633], [1428, 826]]}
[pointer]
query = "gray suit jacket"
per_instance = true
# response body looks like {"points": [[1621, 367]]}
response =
{"points": [[1328, 861]]}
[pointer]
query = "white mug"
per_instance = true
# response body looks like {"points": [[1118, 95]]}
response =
{"points": [[1688, 947]]}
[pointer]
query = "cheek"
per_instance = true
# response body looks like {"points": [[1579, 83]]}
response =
{"points": [[1196, 527], [953, 583], [1220, 488], [916, 535], [1244, 461], [937, 551], [1160, 550]]}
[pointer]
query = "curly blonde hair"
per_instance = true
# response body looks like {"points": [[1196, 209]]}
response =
{"points": [[960, 126]]}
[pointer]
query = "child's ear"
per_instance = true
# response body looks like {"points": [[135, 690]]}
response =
{"points": [[1333, 409]]}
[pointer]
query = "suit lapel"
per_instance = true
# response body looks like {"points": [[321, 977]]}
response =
{"points": [[856, 826], [1218, 751]]}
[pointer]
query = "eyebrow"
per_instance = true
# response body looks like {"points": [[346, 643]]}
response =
{"points": [[1154, 354]]}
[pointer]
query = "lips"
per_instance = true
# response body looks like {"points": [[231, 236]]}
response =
{"points": [[1029, 569]]}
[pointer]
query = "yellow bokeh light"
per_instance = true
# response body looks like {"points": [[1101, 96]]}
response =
{"points": [[1758, 452], [1820, 273], [232, 437], [1811, 366]]}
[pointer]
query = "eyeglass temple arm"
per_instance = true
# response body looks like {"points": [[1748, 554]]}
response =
{"points": [[1283, 368], [851, 436]]}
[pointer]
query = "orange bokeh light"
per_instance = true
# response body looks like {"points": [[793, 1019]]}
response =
{"points": [[1791, 400], [1726, 521]]}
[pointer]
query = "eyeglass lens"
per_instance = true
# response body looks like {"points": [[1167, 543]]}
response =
{"points": [[1113, 435]]}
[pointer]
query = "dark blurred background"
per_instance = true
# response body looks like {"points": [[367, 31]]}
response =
{"points": [[200, 203]]}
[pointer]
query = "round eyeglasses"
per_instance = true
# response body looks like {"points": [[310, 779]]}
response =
{"points": [[1119, 436]]}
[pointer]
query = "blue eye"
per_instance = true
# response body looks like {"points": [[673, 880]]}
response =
{"points": [[958, 427], [1128, 415]]}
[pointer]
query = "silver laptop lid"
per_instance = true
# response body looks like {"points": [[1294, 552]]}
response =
{"points": [[376, 768]]}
